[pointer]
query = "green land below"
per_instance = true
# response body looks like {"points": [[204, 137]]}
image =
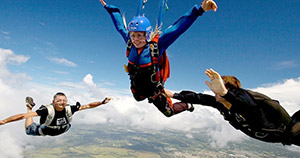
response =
{"points": [[106, 141]]}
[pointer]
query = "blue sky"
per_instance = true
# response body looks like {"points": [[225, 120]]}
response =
{"points": [[72, 46], [258, 42]]}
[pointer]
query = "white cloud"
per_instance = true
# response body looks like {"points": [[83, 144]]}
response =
{"points": [[88, 79], [5, 35], [7, 56], [4, 32], [62, 72], [286, 64], [287, 93], [62, 61], [9, 146], [123, 110]]}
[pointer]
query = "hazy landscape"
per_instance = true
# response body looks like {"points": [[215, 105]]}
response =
{"points": [[108, 141]]}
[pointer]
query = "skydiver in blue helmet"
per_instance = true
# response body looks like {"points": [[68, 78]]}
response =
{"points": [[148, 65]]}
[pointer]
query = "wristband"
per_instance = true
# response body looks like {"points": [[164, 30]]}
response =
{"points": [[104, 101]]}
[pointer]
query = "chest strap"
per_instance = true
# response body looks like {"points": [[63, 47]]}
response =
{"points": [[51, 115]]}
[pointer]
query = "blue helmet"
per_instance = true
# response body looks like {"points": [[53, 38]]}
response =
{"points": [[140, 23]]}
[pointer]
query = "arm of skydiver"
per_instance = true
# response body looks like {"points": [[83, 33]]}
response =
{"points": [[195, 98], [102, 2], [94, 104], [241, 101], [18, 117], [183, 23], [116, 17]]}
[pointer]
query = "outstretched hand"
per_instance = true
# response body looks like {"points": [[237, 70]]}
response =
{"points": [[2, 122], [209, 5], [102, 2], [106, 100], [216, 83]]}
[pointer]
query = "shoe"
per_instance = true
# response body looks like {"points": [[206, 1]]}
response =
{"points": [[30, 104], [191, 109]]}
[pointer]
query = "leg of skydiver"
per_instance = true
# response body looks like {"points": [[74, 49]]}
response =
{"points": [[29, 104], [296, 128], [294, 134], [167, 108], [163, 105], [31, 128], [136, 94], [296, 121]]}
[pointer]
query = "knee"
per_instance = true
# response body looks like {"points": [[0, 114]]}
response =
{"points": [[168, 113], [28, 130], [32, 129], [138, 97]]}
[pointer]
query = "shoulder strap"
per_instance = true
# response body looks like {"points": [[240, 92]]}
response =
{"points": [[271, 107], [68, 113], [162, 66], [129, 46], [51, 113]]}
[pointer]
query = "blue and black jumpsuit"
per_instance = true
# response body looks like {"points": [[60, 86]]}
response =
{"points": [[139, 61]]}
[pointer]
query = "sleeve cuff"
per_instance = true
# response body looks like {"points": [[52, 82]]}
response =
{"points": [[229, 96], [176, 96]]}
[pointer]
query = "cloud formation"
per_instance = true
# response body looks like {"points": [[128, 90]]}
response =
{"points": [[123, 110], [62, 61], [8, 57], [286, 64], [88, 79]]}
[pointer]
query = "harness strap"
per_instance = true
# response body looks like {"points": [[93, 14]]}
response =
{"points": [[129, 46], [156, 77], [263, 132], [68, 113], [51, 114], [154, 59], [41, 132]]}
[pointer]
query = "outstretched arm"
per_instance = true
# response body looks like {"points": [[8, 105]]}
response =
{"points": [[117, 19], [94, 104], [194, 98], [18, 117], [173, 32], [102, 2]]}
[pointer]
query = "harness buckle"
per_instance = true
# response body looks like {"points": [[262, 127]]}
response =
{"points": [[154, 50], [154, 78], [261, 134], [129, 44]]}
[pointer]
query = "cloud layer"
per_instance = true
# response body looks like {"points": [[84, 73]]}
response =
{"points": [[63, 61], [123, 110]]}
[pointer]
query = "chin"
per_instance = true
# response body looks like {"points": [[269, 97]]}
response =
{"points": [[138, 46]]}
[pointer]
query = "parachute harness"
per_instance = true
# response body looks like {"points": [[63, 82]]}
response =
{"points": [[155, 77]]}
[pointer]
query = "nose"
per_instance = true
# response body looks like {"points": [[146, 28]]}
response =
{"points": [[135, 38]]}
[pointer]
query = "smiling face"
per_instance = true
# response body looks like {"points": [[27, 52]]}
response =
{"points": [[60, 102], [138, 39]]}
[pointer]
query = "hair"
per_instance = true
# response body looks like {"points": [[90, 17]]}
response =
{"points": [[231, 82], [59, 94]]}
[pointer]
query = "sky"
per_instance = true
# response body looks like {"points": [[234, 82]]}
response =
{"points": [[72, 46]]}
